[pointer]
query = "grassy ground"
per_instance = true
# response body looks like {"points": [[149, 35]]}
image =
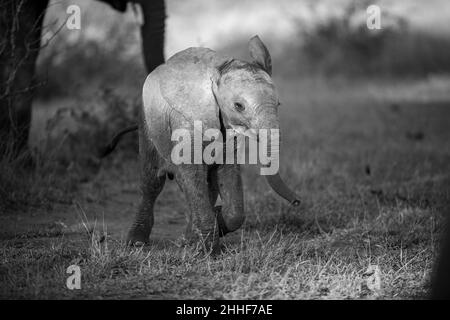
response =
{"points": [[370, 160]]}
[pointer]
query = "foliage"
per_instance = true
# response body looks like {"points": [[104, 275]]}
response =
{"points": [[343, 45]]}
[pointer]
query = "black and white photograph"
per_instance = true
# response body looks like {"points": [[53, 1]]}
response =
{"points": [[242, 152]]}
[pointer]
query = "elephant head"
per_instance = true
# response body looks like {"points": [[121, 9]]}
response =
{"points": [[248, 102]]}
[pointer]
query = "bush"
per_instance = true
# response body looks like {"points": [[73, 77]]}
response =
{"points": [[69, 153], [43, 184], [339, 46]]}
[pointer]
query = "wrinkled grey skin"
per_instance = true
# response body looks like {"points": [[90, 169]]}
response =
{"points": [[198, 84]]}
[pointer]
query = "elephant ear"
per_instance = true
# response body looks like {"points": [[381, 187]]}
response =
{"points": [[219, 69], [215, 81], [260, 54]]}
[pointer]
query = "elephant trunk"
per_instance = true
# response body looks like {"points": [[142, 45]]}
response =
{"points": [[270, 164], [278, 185], [152, 31]]}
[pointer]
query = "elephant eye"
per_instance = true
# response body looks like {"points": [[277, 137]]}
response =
{"points": [[239, 106]]}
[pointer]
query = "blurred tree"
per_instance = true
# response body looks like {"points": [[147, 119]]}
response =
{"points": [[20, 42], [20, 35]]}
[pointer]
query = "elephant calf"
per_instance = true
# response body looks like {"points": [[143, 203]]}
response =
{"points": [[198, 84]]}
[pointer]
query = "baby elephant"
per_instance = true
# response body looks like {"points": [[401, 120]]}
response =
{"points": [[202, 93]]}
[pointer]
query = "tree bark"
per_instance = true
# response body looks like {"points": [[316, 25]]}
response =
{"points": [[20, 41]]}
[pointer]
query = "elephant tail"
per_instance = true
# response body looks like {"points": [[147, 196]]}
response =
{"points": [[115, 140]]}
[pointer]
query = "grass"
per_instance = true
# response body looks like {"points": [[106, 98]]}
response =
{"points": [[273, 266], [371, 163], [38, 185], [68, 153]]}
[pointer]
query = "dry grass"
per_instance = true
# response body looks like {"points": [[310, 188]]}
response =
{"points": [[270, 266], [372, 167], [37, 185]]}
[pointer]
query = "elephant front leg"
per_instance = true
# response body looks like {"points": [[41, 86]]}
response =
{"points": [[193, 180], [231, 216]]}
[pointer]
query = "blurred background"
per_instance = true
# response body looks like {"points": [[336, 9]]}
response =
{"points": [[322, 41], [305, 37], [365, 124]]}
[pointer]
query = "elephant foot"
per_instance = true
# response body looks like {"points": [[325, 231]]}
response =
{"points": [[138, 237], [223, 230], [209, 242], [202, 242], [189, 235], [186, 239]]}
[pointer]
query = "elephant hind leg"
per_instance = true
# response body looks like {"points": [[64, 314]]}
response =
{"points": [[151, 186]]}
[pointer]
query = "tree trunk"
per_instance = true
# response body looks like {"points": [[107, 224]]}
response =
{"points": [[20, 41]]}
